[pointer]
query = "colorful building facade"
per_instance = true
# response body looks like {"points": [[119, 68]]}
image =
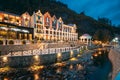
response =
{"points": [[38, 26], [51, 28]]}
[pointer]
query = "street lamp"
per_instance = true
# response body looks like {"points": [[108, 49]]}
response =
{"points": [[115, 40]]}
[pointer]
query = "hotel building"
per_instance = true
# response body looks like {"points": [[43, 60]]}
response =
{"points": [[13, 26], [38, 26], [51, 28]]}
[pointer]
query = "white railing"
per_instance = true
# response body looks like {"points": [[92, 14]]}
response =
{"points": [[41, 51]]}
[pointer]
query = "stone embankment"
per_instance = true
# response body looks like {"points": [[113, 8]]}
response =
{"points": [[27, 60], [24, 61], [114, 56]]}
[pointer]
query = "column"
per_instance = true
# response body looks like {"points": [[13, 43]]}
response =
{"points": [[44, 34], [87, 41], [90, 42], [48, 34], [52, 34], [62, 35], [56, 35], [59, 35]]}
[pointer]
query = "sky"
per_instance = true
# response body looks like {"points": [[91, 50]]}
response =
{"points": [[96, 8]]}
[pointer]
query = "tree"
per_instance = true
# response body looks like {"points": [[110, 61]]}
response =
{"points": [[102, 35], [105, 20]]}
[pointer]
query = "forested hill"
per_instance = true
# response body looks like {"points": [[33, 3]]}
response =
{"points": [[85, 24]]}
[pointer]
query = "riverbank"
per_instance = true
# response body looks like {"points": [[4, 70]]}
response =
{"points": [[70, 67], [80, 67], [114, 57]]}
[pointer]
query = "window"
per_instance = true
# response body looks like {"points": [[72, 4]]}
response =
{"points": [[54, 23], [47, 19], [39, 17]]}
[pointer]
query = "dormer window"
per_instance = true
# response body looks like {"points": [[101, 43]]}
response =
{"points": [[54, 24], [60, 26], [39, 17], [47, 19]]}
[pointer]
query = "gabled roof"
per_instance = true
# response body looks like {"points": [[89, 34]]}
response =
{"points": [[26, 13], [39, 12], [60, 19], [47, 13], [54, 17]]}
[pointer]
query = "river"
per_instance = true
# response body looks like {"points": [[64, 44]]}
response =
{"points": [[81, 67]]}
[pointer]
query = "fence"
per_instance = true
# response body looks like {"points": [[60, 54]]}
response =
{"points": [[40, 51]]}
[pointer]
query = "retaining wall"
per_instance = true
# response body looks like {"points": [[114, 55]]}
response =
{"points": [[114, 56], [24, 61]]}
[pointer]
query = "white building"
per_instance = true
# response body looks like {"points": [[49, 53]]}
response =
{"points": [[51, 28], [86, 38]]}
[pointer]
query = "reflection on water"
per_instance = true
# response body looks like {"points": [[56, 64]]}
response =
{"points": [[75, 69], [36, 76], [59, 70], [102, 66], [5, 78], [71, 67], [79, 67]]}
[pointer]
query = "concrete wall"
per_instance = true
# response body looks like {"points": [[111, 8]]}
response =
{"points": [[24, 61], [114, 57]]}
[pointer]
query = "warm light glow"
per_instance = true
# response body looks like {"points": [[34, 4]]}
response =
{"points": [[58, 70], [36, 57], [95, 55], [36, 68], [24, 17], [99, 49], [71, 66], [36, 77], [74, 59], [1, 18], [79, 67], [99, 52], [78, 55], [71, 53], [5, 59], [59, 55], [5, 78]]}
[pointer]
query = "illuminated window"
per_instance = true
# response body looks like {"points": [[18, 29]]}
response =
{"points": [[47, 19]]}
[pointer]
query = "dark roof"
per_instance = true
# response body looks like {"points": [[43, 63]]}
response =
{"points": [[9, 13]]}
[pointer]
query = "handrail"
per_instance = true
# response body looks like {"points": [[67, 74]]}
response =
{"points": [[40, 51]]}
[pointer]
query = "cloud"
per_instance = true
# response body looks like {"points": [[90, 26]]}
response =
{"points": [[96, 8]]}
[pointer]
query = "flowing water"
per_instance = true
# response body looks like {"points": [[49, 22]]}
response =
{"points": [[78, 68]]}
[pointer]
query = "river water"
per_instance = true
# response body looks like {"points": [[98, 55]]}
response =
{"points": [[77, 68]]}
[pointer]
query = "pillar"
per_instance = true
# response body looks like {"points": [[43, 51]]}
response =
{"points": [[90, 42], [45, 34]]}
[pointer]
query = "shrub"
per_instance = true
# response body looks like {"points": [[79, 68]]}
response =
{"points": [[11, 42]]}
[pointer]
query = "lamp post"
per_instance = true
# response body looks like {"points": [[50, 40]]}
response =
{"points": [[115, 40]]}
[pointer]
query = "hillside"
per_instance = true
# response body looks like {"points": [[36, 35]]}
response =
{"points": [[85, 24]]}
